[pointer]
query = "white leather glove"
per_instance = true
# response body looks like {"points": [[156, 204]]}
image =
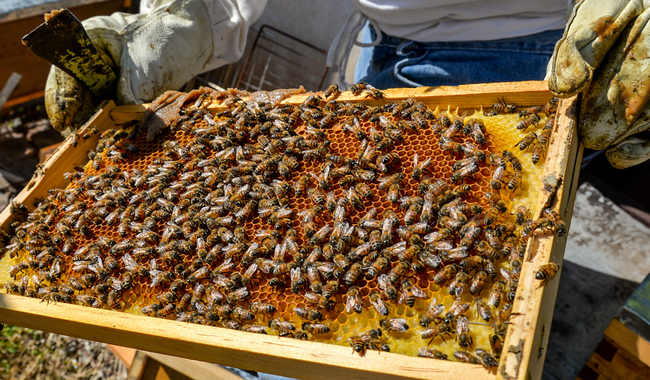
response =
{"points": [[158, 51], [604, 53]]}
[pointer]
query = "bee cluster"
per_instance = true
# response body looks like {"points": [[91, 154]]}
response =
{"points": [[340, 222]]}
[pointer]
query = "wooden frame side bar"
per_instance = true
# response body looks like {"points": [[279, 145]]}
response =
{"points": [[525, 346]]}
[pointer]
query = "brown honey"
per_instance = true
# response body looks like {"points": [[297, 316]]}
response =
{"points": [[186, 168]]}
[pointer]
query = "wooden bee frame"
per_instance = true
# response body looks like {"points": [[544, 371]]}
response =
{"points": [[524, 349]]}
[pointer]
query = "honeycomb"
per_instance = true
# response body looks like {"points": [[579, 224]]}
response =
{"points": [[256, 219]]}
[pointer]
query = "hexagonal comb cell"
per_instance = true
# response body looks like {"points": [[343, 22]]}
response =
{"points": [[329, 221]]}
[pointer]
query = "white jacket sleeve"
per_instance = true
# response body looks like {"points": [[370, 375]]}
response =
{"points": [[162, 49], [229, 20]]}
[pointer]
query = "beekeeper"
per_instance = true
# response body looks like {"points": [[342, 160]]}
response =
{"points": [[602, 52]]}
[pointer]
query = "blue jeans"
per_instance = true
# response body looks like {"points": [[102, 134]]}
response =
{"points": [[397, 62]]}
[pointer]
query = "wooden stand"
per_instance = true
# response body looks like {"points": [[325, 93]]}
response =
{"points": [[524, 349]]}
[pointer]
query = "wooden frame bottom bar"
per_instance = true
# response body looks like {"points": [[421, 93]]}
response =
{"points": [[285, 356]]}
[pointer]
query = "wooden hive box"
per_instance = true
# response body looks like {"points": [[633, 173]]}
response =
{"points": [[524, 349]]}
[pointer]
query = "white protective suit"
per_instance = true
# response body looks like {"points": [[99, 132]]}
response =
{"points": [[177, 39]]}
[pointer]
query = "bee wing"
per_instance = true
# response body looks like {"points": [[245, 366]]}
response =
{"points": [[380, 306], [116, 284], [402, 295], [252, 248], [348, 230], [129, 263], [444, 245], [325, 268], [418, 292], [399, 324], [326, 172], [383, 281], [397, 249], [506, 274], [355, 123], [295, 274], [155, 277], [314, 176], [225, 266], [353, 302], [278, 255], [415, 160], [284, 212], [153, 265], [80, 265]]}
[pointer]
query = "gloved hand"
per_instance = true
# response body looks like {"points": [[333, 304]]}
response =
{"points": [[604, 52], [155, 52]]}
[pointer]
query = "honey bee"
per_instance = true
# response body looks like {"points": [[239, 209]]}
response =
{"points": [[378, 345], [397, 272], [546, 273], [445, 274], [242, 314], [237, 295], [410, 292], [496, 293], [528, 121], [482, 309], [301, 184], [321, 234], [386, 181], [332, 91], [497, 177], [281, 326], [394, 324], [462, 331], [377, 303], [354, 127], [309, 314], [392, 194], [354, 198], [497, 345], [353, 300], [330, 288], [316, 196], [351, 276], [466, 357], [419, 167], [487, 360], [317, 299], [464, 172], [527, 141], [315, 328], [490, 215], [503, 107], [539, 152], [458, 284], [478, 282], [522, 215], [515, 180], [559, 225], [259, 307], [297, 280], [476, 129], [431, 353], [435, 331], [357, 88], [433, 311], [358, 345]]}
